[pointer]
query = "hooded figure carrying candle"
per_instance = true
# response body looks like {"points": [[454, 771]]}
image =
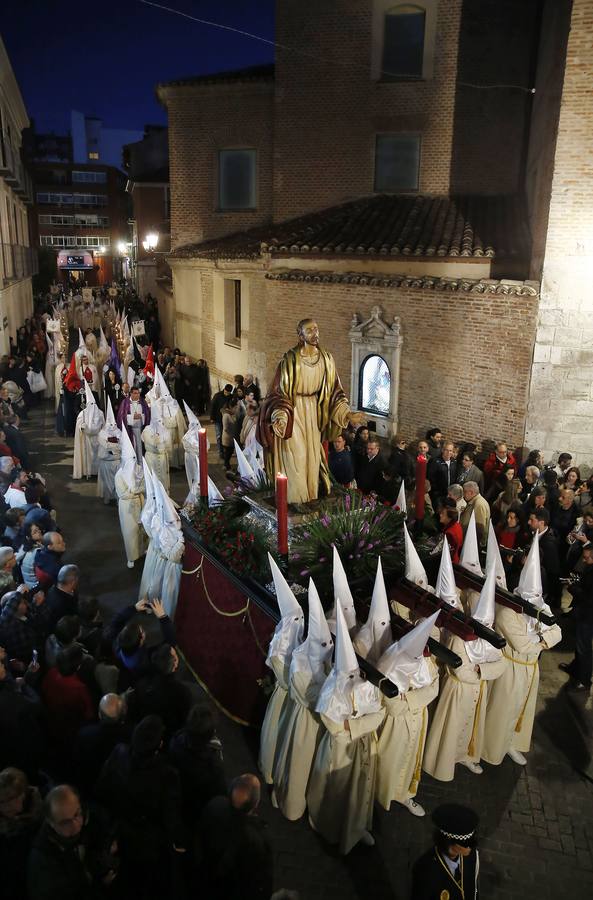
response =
{"points": [[129, 484], [89, 423], [341, 789], [512, 700], [109, 456], [299, 725]]}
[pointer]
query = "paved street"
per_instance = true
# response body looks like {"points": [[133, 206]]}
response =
{"points": [[537, 823]]}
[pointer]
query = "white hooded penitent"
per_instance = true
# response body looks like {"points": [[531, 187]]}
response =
{"points": [[415, 571], [289, 630], [375, 636], [480, 651], [314, 654], [342, 594], [494, 559], [345, 694], [470, 553], [445, 586], [129, 463], [404, 662]]}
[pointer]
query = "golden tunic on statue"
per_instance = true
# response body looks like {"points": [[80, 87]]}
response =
{"points": [[306, 390]]}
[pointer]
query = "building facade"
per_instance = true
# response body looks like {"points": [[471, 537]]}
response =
{"points": [[80, 213], [395, 156], [18, 260], [147, 165]]}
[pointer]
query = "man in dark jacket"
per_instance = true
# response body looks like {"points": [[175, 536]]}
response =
{"points": [[129, 637], [539, 520], [341, 464], [160, 692], [218, 401], [442, 473], [62, 597], [238, 858], [450, 868], [371, 466], [95, 741], [74, 854], [580, 669], [49, 558]]}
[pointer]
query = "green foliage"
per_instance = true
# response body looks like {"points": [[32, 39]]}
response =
{"points": [[360, 529], [242, 545]]}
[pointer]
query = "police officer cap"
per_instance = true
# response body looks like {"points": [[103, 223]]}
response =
{"points": [[457, 823]]}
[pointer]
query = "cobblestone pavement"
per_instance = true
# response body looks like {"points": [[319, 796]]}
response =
{"points": [[537, 822]]}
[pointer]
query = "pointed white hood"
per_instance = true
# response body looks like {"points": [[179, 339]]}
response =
{"points": [[214, 495], [103, 345], [82, 347], [163, 391], [400, 503], [343, 592], [375, 636], [470, 553], [345, 694], [245, 470], [110, 428], [91, 415], [109, 418], [192, 419], [415, 571], [88, 394], [445, 586], [530, 580], [130, 377], [129, 464], [404, 662], [494, 559], [289, 630], [314, 654], [484, 611], [166, 531]]}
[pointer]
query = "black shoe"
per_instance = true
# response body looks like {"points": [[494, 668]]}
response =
{"points": [[577, 686], [566, 667]]}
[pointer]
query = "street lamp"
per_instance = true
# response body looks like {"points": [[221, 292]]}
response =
{"points": [[122, 248], [101, 249], [150, 242]]}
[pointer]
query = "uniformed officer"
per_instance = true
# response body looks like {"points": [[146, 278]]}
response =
{"points": [[449, 870]]}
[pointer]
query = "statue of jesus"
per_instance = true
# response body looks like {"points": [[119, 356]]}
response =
{"points": [[305, 406]]}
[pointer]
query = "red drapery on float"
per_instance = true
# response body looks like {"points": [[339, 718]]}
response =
{"points": [[224, 636]]}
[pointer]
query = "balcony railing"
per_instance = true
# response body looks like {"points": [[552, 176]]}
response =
{"points": [[19, 262], [13, 170]]}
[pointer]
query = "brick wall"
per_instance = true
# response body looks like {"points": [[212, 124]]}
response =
{"points": [[497, 45], [204, 119], [328, 108], [561, 397]]}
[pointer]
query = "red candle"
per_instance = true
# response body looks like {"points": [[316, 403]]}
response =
{"points": [[325, 445], [203, 455], [420, 486], [282, 513]]}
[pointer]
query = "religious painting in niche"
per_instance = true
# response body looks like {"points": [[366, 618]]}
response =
{"points": [[374, 386]]}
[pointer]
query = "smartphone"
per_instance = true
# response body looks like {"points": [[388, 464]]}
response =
{"points": [[34, 659]]}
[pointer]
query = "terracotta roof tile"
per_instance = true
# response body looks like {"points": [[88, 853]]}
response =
{"points": [[420, 226]]}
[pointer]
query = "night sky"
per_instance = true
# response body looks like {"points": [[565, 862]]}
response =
{"points": [[105, 58]]}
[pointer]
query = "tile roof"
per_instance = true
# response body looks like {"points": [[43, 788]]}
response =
{"points": [[387, 226], [414, 282], [251, 73]]}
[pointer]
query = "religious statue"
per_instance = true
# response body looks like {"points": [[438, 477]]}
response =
{"points": [[305, 406]]}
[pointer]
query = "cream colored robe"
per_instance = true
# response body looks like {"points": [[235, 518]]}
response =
{"points": [[512, 699], [86, 445], [401, 742], [269, 729], [341, 789], [175, 424], [129, 504], [298, 735], [457, 730], [157, 457], [299, 456], [109, 460]]}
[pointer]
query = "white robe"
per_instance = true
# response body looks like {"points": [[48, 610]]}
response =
{"points": [[156, 446], [130, 500], [170, 547], [269, 729], [341, 789], [298, 735], [457, 730], [109, 461], [86, 444], [175, 424], [512, 699], [192, 460], [401, 742]]}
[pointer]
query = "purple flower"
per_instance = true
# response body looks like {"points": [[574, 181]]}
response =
{"points": [[350, 556], [360, 545], [322, 559], [296, 555], [304, 572], [347, 502]]}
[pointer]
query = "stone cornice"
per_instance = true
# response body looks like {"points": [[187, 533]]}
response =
{"points": [[420, 282]]}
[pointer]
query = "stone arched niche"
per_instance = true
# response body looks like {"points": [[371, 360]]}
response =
{"points": [[376, 353]]}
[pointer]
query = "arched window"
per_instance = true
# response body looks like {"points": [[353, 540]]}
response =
{"points": [[374, 388], [403, 42]]}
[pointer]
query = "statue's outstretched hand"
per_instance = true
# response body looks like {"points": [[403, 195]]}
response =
{"points": [[357, 419]]}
